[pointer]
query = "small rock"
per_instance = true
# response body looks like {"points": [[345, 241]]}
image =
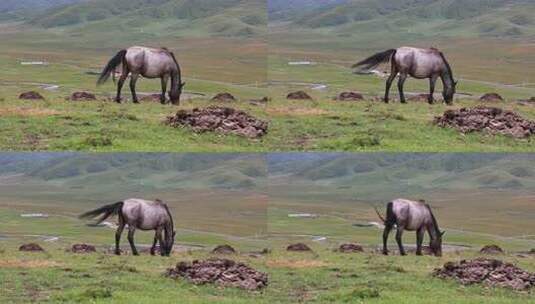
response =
{"points": [[82, 96], [299, 95], [350, 248], [31, 95], [491, 249], [491, 97], [83, 248], [349, 96], [31, 247], [224, 249], [224, 97], [298, 247]]}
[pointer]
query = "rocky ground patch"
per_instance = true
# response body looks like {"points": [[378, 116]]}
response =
{"points": [[220, 119], [224, 97], [224, 249], [491, 97], [82, 96], [491, 249], [349, 96], [222, 272], [490, 272], [489, 119], [350, 248], [83, 248]]}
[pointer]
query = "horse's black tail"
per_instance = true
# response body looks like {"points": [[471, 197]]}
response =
{"points": [[105, 211], [111, 66], [375, 60], [379, 215]]}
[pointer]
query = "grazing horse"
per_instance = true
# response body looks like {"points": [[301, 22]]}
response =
{"points": [[418, 63], [150, 63], [140, 214], [412, 216]]}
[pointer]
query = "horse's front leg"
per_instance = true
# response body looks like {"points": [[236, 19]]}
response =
{"points": [[401, 83], [399, 235], [419, 240], [133, 81], [153, 248], [432, 83], [164, 80], [131, 231]]}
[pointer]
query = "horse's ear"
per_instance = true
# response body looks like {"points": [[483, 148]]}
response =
{"points": [[442, 233], [174, 233], [183, 84]]}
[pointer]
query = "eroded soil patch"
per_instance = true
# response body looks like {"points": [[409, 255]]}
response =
{"points": [[222, 272], [489, 119], [220, 119], [490, 272]]}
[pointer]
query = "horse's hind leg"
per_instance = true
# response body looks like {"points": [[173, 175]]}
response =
{"points": [[118, 236], [133, 80], [393, 74], [131, 231], [401, 83], [120, 84], [386, 233], [419, 240], [399, 234]]}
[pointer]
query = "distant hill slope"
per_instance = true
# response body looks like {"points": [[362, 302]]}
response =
{"points": [[160, 171], [373, 172], [13, 5], [221, 17], [461, 17]]}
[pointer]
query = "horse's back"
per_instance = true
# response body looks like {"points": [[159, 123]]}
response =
{"points": [[413, 214]]}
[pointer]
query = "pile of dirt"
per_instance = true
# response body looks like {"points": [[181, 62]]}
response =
{"points": [[31, 95], [224, 97], [224, 249], [298, 247], [31, 247], [83, 248], [299, 95], [491, 249], [82, 96], [491, 272], [349, 96], [220, 119], [222, 272], [491, 97], [489, 119], [350, 248]]}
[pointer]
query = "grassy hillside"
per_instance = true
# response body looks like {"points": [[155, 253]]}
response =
{"points": [[236, 18]]}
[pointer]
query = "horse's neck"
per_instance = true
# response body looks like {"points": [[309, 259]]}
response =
{"points": [[433, 231], [447, 79]]}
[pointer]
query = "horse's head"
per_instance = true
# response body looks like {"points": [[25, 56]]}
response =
{"points": [[436, 244], [449, 92], [175, 94]]}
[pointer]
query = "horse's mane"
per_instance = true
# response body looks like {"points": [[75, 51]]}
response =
{"points": [[447, 65], [435, 223], [170, 216]]}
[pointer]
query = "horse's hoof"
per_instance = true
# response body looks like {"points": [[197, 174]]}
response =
{"points": [[385, 252]]}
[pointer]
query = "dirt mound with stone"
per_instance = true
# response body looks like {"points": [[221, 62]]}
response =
{"points": [[491, 97], [419, 98], [83, 248], [82, 96], [224, 249], [492, 249], [220, 119], [31, 247], [299, 247], [349, 96], [222, 272], [350, 248], [490, 272], [299, 95], [224, 97], [31, 95], [151, 98], [488, 119]]}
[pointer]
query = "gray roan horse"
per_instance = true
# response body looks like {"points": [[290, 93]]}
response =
{"points": [[150, 63], [412, 216], [418, 63], [140, 214]]}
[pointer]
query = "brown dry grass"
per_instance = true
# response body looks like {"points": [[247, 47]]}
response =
{"points": [[285, 263], [27, 112], [16, 263]]}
